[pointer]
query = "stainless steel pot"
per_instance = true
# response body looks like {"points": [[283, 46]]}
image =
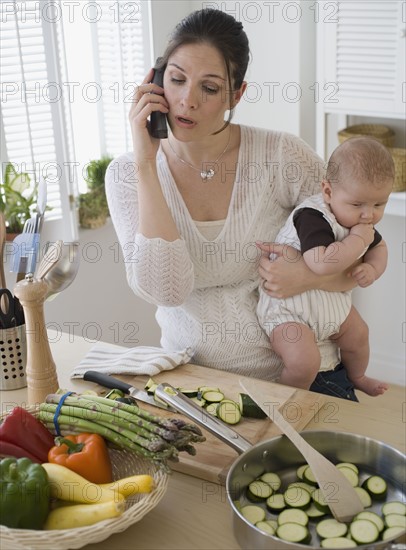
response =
{"points": [[279, 455]]}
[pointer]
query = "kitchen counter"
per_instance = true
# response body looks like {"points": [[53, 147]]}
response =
{"points": [[194, 513]]}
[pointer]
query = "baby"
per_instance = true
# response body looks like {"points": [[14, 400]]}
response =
{"points": [[332, 230]]}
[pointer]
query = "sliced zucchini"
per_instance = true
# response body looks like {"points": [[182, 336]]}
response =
{"points": [[272, 479], [308, 476], [293, 532], [338, 542], [189, 392], [376, 487], [394, 507], [306, 486], [273, 523], [202, 389], [265, 527], [364, 496], [114, 394], [253, 513], [213, 396], [248, 407], [276, 503], [199, 401], [313, 512], [296, 497], [372, 517], [258, 491], [364, 531], [228, 411], [300, 471], [392, 533], [211, 408], [150, 386], [320, 501], [350, 474], [395, 520], [348, 465], [292, 515], [331, 528]]}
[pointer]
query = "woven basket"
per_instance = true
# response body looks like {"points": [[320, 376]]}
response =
{"points": [[399, 158], [125, 463], [382, 133]]}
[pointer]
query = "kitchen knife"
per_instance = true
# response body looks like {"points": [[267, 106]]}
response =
{"points": [[108, 381]]}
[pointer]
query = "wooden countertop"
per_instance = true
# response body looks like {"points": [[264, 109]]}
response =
{"points": [[194, 513]]}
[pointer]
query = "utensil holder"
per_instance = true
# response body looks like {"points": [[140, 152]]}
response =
{"points": [[13, 347]]}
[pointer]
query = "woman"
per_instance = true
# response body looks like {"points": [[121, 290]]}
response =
{"points": [[194, 205]]}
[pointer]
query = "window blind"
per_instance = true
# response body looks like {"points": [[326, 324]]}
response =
{"points": [[121, 40], [35, 117]]}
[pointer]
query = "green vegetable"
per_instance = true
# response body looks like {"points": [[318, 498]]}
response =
{"points": [[258, 491], [248, 407], [376, 487], [293, 532], [128, 426], [24, 495], [228, 411]]}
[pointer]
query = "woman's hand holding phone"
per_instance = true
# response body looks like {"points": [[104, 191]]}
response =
{"points": [[148, 98], [157, 126]]}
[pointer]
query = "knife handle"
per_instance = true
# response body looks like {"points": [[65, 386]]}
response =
{"points": [[106, 381]]}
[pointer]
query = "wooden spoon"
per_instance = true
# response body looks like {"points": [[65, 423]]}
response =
{"points": [[339, 494], [51, 257]]}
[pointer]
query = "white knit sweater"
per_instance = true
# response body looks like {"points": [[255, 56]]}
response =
{"points": [[207, 291]]}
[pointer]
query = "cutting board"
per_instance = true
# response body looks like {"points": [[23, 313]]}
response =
{"points": [[214, 458]]}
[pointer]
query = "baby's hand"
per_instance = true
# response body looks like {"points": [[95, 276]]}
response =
{"points": [[364, 274], [365, 231]]}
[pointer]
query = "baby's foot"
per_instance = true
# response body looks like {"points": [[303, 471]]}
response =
{"points": [[370, 386]]}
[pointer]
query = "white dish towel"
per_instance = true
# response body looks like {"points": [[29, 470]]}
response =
{"points": [[111, 359]]}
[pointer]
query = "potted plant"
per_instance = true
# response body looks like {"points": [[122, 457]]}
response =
{"points": [[93, 208], [17, 198]]}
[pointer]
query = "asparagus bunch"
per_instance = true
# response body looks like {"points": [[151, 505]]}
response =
{"points": [[127, 426]]}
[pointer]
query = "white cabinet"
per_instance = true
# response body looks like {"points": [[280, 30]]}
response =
{"points": [[361, 61], [364, 54]]}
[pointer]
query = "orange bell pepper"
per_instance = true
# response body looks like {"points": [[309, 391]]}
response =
{"points": [[86, 454]]}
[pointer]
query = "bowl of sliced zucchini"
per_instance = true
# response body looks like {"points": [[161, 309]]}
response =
{"points": [[278, 505], [275, 498]]}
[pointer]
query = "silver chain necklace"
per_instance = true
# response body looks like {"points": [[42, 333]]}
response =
{"points": [[204, 174]]}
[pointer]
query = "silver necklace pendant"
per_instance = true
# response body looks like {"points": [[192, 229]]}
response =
{"points": [[207, 175]]}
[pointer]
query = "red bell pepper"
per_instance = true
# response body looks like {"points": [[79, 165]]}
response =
{"points": [[23, 430], [10, 450]]}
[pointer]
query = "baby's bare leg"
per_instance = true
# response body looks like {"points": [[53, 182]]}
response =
{"points": [[297, 347], [352, 339]]}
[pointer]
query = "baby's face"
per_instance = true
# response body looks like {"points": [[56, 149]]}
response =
{"points": [[354, 203]]}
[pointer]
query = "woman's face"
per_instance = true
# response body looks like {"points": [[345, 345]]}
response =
{"points": [[197, 91]]}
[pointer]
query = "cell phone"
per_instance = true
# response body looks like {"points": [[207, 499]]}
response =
{"points": [[157, 126]]}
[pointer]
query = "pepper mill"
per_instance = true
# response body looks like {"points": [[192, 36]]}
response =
{"points": [[40, 367]]}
